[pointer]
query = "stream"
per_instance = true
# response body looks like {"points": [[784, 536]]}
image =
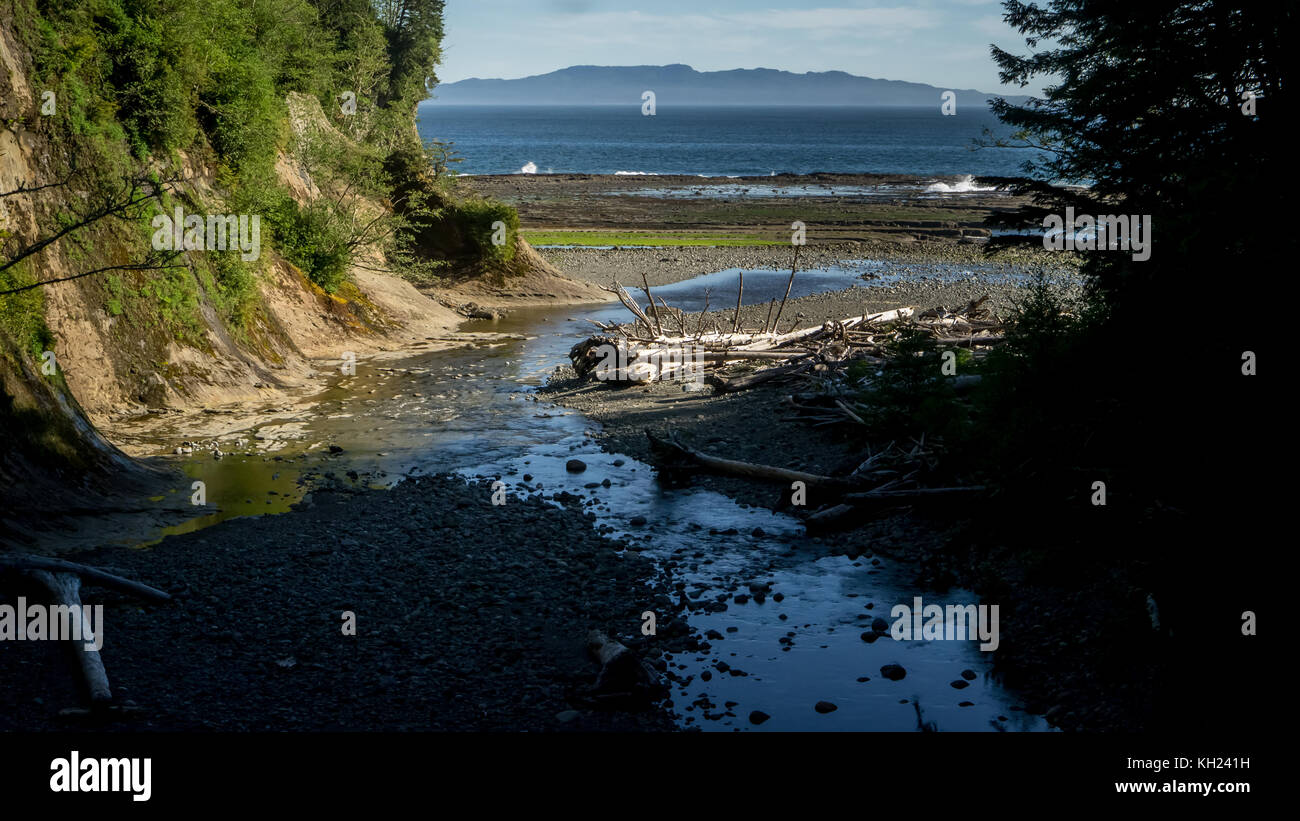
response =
{"points": [[473, 411]]}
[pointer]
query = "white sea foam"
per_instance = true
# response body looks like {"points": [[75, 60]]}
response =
{"points": [[529, 168], [963, 186]]}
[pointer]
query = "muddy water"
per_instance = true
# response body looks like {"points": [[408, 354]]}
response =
{"points": [[474, 411]]}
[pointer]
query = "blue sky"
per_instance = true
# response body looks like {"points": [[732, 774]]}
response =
{"points": [[941, 42]]}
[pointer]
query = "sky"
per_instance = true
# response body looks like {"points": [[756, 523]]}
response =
{"points": [[944, 43]]}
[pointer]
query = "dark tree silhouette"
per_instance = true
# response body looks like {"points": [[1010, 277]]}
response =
{"points": [[1145, 103], [1180, 111]]}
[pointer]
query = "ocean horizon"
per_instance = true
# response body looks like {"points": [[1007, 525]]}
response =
{"points": [[719, 141]]}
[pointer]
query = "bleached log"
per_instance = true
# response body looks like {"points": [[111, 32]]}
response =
{"points": [[65, 589]]}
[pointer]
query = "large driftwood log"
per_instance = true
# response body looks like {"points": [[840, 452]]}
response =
{"points": [[621, 670], [674, 450], [65, 590], [63, 581]]}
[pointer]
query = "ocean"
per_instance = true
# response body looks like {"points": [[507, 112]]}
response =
{"points": [[718, 142]]}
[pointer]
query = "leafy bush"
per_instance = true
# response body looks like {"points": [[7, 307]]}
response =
{"points": [[911, 394], [247, 119], [22, 314], [312, 238], [477, 220], [235, 283]]}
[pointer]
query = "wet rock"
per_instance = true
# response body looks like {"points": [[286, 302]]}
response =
{"points": [[960, 684], [870, 637], [825, 707], [637, 521], [567, 716], [335, 449], [893, 672], [575, 466], [879, 625], [758, 717], [969, 675]]}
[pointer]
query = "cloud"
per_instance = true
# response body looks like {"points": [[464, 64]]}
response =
{"points": [[993, 26]]}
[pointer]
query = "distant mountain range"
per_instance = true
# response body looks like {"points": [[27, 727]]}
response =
{"points": [[683, 85]]}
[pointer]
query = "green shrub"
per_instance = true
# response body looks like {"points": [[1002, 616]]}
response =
{"points": [[477, 220], [232, 285], [911, 394], [22, 314], [312, 238]]}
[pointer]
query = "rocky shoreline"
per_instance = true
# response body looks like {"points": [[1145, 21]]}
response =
{"points": [[751, 426], [469, 616]]}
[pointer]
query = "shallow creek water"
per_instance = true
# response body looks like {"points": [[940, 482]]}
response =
{"points": [[473, 411]]}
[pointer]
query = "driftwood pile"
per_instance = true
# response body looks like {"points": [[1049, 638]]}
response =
{"points": [[651, 349], [660, 344]]}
